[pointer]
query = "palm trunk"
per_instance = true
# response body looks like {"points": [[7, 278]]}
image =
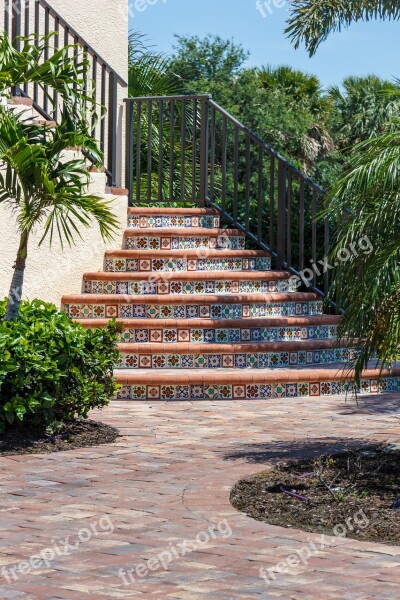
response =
{"points": [[15, 293]]}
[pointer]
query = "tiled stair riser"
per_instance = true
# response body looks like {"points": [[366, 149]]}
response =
{"points": [[135, 265], [259, 360], [140, 242], [173, 221], [193, 311], [256, 391], [223, 336], [145, 287]]}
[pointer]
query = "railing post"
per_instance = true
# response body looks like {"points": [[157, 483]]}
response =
{"points": [[129, 151], [15, 7], [112, 128], [204, 137], [281, 223]]}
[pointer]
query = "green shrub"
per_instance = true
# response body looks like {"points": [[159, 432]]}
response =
{"points": [[52, 369]]}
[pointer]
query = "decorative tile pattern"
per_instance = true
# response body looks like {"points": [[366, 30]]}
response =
{"points": [[235, 335], [117, 265], [173, 221], [255, 391], [245, 360], [196, 311], [144, 242], [183, 288]]}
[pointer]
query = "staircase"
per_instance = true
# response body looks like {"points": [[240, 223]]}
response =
{"points": [[205, 318]]}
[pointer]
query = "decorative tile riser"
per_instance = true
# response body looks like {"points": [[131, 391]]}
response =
{"points": [[224, 336], [145, 287], [172, 222], [193, 311], [256, 391], [184, 243], [117, 265], [258, 360]]}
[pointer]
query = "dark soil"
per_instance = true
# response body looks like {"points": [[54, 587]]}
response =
{"points": [[35, 440], [352, 494]]}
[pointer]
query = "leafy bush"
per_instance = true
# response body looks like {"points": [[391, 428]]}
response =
{"points": [[52, 369]]}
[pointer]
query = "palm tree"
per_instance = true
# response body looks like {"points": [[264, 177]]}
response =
{"points": [[368, 285], [44, 190], [312, 21], [364, 107]]}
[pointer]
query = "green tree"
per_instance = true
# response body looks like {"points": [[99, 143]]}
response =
{"points": [[312, 21], [365, 202], [364, 108], [201, 61]]}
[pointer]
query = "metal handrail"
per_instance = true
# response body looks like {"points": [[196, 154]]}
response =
{"points": [[106, 80], [190, 149]]}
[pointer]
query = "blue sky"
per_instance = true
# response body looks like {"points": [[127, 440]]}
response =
{"points": [[362, 49]]}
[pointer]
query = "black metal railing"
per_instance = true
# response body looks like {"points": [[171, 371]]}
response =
{"points": [[189, 149], [38, 18]]}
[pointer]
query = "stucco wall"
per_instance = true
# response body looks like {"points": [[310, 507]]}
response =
{"points": [[52, 271]]}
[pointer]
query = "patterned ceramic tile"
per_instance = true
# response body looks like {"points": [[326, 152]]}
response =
{"points": [[252, 391], [173, 221], [119, 265], [144, 242]]}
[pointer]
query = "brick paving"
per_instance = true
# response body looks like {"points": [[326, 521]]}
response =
{"points": [[167, 480]]}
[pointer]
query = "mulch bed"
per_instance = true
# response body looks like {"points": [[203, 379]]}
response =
{"points": [[354, 494], [35, 440]]}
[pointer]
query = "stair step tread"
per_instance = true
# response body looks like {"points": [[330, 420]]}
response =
{"points": [[184, 253], [182, 232], [187, 275], [230, 348], [190, 298], [332, 372], [313, 320], [154, 210]]}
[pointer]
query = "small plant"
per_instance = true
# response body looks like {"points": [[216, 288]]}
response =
{"points": [[53, 370]]}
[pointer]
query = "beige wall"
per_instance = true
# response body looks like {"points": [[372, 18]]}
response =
{"points": [[52, 272]]}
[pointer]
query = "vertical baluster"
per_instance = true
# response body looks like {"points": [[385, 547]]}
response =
{"points": [[248, 175], [272, 203], [15, 34], [314, 232], [129, 151], [281, 228], [172, 150], [161, 152], [235, 175], [138, 150], [212, 153], [94, 108], [76, 55], [194, 153], [183, 150], [103, 112], [27, 33], [326, 250], [37, 36], [7, 16], [149, 149], [260, 198], [301, 226], [224, 161], [56, 48], [46, 57], [204, 142], [112, 127], [85, 75], [289, 218]]}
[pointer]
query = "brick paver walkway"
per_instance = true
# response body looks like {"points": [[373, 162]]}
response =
{"points": [[165, 486]]}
